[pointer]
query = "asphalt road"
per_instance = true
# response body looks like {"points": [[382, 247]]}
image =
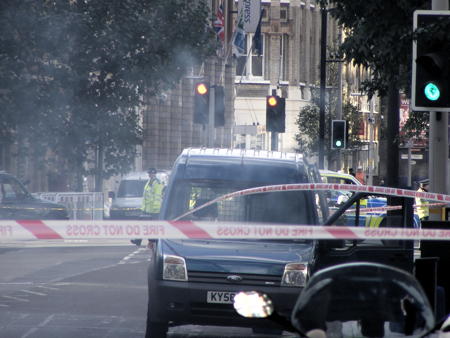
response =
{"points": [[82, 290]]}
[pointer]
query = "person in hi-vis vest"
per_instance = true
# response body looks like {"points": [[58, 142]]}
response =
{"points": [[151, 200], [422, 204], [153, 193]]}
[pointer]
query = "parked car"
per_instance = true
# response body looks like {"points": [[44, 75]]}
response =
{"points": [[127, 203], [375, 218], [16, 202], [194, 281]]}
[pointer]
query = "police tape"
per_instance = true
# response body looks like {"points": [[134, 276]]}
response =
{"points": [[105, 230], [379, 210], [108, 229], [326, 186]]}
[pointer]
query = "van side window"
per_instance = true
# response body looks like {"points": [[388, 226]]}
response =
{"points": [[275, 207]]}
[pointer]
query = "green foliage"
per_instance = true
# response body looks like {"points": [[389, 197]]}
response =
{"points": [[74, 73], [308, 124], [416, 126], [378, 35]]}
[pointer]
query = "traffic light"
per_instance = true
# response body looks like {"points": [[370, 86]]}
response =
{"points": [[338, 134], [275, 113], [430, 68], [219, 106], [201, 103]]}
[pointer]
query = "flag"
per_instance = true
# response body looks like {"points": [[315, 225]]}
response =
{"points": [[239, 36], [219, 27], [251, 10], [219, 24], [257, 42]]}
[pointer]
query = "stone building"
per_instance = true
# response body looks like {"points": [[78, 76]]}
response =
{"points": [[289, 64]]}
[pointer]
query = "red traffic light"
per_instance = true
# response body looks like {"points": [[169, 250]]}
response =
{"points": [[272, 101], [201, 88]]}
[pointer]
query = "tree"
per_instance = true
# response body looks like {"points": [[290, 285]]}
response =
{"points": [[74, 74], [379, 36], [308, 125]]}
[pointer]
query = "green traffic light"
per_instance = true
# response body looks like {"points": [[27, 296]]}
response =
{"points": [[432, 91], [338, 143]]}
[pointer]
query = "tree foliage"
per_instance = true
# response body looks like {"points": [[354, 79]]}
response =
{"points": [[308, 124], [378, 35], [73, 73]]}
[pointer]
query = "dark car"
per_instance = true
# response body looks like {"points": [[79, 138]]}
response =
{"points": [[194, 281], [17, 203]]}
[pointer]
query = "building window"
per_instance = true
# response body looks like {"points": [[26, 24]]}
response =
{"points": [[251, 66]]}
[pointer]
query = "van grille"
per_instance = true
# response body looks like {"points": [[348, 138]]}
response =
{"points": [[221, 278]]}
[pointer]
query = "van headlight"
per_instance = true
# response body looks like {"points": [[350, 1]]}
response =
{"points": [[174, 268], [295, 274]]}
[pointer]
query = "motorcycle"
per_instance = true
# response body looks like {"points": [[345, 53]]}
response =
{"points": [[353, 300]]}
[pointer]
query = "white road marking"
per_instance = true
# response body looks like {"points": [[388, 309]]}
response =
{"points": [[34, 292], [40, 325], [4, 305], [126, 259], [16, 298], [46, 287], [11, 283]]}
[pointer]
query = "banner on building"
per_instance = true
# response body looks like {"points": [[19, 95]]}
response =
{"points": [[251, 10], [404, 110], [239, 36]]}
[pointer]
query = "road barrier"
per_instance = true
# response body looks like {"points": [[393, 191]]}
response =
{"points": [[80, 205]]}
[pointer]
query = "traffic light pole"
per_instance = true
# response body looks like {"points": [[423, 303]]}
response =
{"points": [[323, 76], [211, 122], [438, 141], [274, 141]]}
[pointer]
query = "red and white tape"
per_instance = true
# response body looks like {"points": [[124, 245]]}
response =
{"points": [[108, 229], [379, 210], [327, 186], [55, 230]]}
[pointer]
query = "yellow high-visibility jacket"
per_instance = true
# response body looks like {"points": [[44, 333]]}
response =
{"points": [[422, 210], [153, 192]]}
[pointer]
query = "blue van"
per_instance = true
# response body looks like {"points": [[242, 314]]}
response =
{"points": [[194, 281]]}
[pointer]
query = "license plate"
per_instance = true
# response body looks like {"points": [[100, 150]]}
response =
{"points": [[220, 297]]}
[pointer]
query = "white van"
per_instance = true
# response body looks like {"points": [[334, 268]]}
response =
{"points": [[127, 202]]}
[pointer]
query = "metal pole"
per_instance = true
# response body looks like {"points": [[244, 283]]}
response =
{"points": [[438, 141], [274, 141], [323, 50], [370, 152], [211, 116], [409, 145], [339, 100]]}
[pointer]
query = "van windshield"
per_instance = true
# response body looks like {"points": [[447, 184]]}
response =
{"points": [[131, 188], [294, 207]]}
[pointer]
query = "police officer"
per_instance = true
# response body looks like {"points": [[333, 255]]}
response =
{"points": [[422, 209], [153, 192], [151, 200]]}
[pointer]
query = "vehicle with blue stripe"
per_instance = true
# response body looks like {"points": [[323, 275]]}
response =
{"points": [[357, 215]]}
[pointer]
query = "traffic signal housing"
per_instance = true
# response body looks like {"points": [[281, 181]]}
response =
{"points": [[201, 103], [219, 106], [275, 113], [430, 68], [338, 134]]}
